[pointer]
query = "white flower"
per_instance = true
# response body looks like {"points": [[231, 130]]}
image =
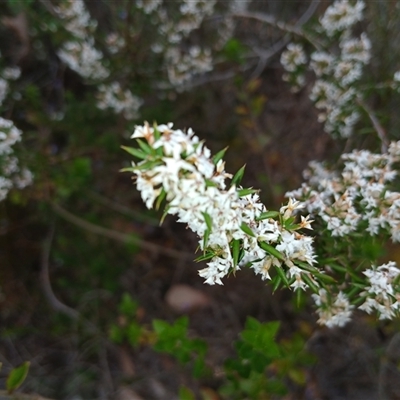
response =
{"points": [[292, 205], [321, 63], [331, 312], [112, 96], [3, 90], [195, 193], [11, 73], [341, 15], [293, 57], [358, 50], [148, 6], [347, 72], [83, 58]]}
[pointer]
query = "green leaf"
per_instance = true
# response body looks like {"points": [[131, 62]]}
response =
{"points": [[271, 250], [186, 394], [208, 220], [133, 333], [156, 132], [159, 326], [238, 176], [147, 165], [267, 214], [135, 152], [145, 147], [299, 294], [128, 169], [282, 275], [310, 283], [204, 257], [246, 192], [219, 155], [17, 376], [277, 282], [246, 229], [160, 199], [205, 239], [116, 334], [210, 183], [127, 306], [235, 251]]}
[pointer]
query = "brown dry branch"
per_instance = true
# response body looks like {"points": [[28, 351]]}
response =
{"points": [[119, 236]]}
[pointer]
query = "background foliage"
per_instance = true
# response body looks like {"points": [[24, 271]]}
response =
{"points": [[86, 271]]}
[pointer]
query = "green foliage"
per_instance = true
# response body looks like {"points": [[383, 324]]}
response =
{"points": [[173, 339], [186, 394], [17, 376], [234, 50], [262, 362]]}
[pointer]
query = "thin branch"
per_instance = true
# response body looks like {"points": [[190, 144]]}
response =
{"points": [[121, 208], [288, 28], [377, 125], [118, 236], [45, 278], [265, 55]]}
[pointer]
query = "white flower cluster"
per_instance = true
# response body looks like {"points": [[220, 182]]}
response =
{"points": [[333, 93], [293, 60], [382, 294], [114, 42], [77, 18], [120, 101], [332, 312], [293, 57], [84, 58], [182, 67], [227, 221], [182, 61], [80, 55], [148, 6], [357, 198], [7, 74], [341, 16], [191, 15], [10, 174]]}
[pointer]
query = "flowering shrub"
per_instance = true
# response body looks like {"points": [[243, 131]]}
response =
{"points": [[77, 78], [337, 64], [236, 230]]}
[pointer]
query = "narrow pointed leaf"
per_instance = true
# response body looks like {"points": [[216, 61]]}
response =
{"points": [[205, 257], [282, 275], [128, 169], [205, 239], [299, 295], [271, 250], [277, 282], [17, 377], [145, 147], [310, 283], [246, 229], [165, 213], [246, 192], [156, 132], [208, 221], [219, 156], [267, 214], [135, 152], [238, 176], [160, 199], [235, 251]]}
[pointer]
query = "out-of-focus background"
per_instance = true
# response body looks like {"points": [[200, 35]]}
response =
{"points": [[85, 268]]}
